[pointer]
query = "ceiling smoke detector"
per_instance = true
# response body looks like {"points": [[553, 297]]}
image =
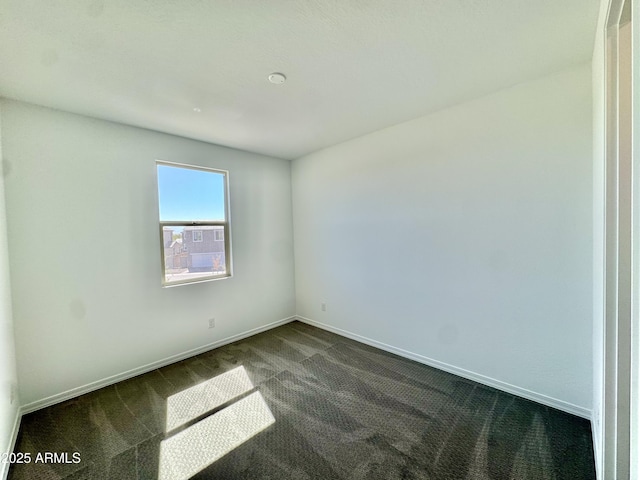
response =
{"points": [[277, 78]]}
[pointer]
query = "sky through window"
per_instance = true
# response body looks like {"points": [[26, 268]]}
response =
{"points": [[189, 194]]}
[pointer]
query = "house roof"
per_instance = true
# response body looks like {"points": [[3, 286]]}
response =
{"points": [[203, 227]]}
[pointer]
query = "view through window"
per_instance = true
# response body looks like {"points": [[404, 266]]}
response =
{"points": [[194, 224]]}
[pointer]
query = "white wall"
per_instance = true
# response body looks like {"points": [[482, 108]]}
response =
{"points": [[464, 236], [635, 342], [85, 250], [8, 379]]}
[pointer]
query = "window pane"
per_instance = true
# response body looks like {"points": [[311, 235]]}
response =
{"points": [[193, 252], [190, 194]]}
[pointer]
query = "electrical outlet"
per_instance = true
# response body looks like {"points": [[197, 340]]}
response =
{"points": [[212, 322], [323, 307]]}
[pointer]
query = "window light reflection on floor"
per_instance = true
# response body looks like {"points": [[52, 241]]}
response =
{"points": [[200, 399], [191, 450]]}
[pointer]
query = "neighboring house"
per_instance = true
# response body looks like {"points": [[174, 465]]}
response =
{"points": [[167, 237], [205, 248], [175, 255]]}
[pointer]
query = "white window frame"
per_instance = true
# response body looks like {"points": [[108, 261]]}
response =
{"points": [[215, 236], [226, 224], [193, 232]]}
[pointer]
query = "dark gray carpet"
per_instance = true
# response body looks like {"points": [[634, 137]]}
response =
{"points": [[342, 410]]}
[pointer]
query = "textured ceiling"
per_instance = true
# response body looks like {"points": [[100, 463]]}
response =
{"points": [[353, 66]]}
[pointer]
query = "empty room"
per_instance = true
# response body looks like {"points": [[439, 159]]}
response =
{"points": [[319, 240]]}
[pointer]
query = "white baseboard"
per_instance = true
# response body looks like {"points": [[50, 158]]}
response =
{"points": [[476, 377], [4, 467], [90, 387]]}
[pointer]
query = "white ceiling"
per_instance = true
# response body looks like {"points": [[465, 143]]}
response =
{"points": [[353, 66]]}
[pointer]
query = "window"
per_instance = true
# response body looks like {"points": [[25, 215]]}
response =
{"points": [[194, 216]]}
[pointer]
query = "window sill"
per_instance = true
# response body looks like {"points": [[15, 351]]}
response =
{"points": [[199, 280]]}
